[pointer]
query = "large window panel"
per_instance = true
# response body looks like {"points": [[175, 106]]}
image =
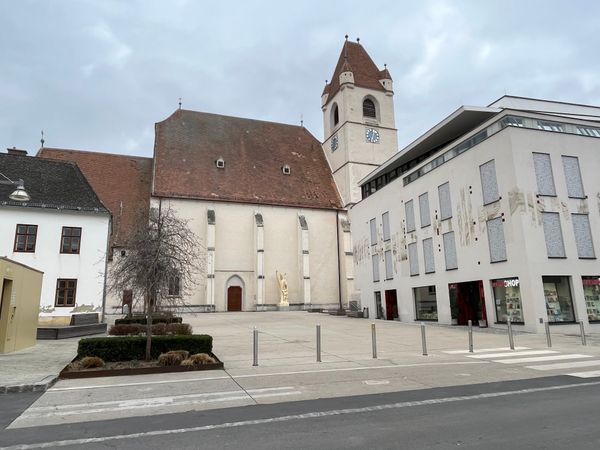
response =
{"points": [[553, 234], [373, 226], [385, 219], [445, 202], [428, 255], [424, 210], [573, 177], [497, 244], [389, 265], [450, 251], [489, 183], [375, 261], [409, 209], [413, 259], [583, 235], [543, 174]]}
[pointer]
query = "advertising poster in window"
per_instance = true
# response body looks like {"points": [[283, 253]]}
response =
{"points": [[591, 292], [507, 298]]}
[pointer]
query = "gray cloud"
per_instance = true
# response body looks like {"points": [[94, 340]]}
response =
{"points": [[98, 74]]}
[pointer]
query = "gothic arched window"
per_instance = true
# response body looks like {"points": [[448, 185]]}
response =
{"points": [[336, 115], [369, 108]]}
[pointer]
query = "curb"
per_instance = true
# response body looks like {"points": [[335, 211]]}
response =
{"points": [[41, 386]]}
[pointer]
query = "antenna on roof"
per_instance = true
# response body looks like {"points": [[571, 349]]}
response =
{"points": [[42, 139], [302, 120], [179, 102], [346, 37], [384, 65], [358, 40]]}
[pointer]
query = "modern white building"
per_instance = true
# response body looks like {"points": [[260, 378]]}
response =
{"points": [[491, 215], [62, 231]]}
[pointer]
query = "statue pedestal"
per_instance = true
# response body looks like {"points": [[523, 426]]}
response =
{"points": [[283, 307]]}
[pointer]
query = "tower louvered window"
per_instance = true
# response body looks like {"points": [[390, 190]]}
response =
{"points": [[369, 109], [336, 115]]}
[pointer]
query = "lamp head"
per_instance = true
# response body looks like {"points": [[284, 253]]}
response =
{"points": [[20, 194]]}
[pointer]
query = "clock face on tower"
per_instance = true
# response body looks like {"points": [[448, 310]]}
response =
{"points": [[372, 135], [334, 143]]}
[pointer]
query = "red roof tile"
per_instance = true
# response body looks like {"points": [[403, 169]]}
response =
{"points": [[121, 181], [366, 73], [188, 143]]}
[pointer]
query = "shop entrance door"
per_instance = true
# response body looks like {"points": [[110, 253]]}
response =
{"points": [[470, 302], [391, 304]]}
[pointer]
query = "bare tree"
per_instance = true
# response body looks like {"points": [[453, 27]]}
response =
{"points": [[162, 263]]}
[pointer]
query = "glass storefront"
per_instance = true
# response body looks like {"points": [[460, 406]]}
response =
{"points": [[591, 292], [425, 303], [507, 298], [559, 302]]}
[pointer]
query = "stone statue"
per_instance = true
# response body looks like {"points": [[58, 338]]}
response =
{"points": [[283, 288]]}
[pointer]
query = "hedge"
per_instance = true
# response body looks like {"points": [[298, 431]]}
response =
{"points": [[133, 329], [142, 320], [126, 348]]}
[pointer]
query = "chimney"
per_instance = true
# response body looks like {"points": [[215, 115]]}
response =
{"points": [[16, 152]]}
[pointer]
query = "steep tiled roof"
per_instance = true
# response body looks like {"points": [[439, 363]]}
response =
{"points": [[50, 184], [121, 181], [188, 143], [366, 74]]}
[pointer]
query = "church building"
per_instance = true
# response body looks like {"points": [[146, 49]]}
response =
{"points": [[265, 199]]}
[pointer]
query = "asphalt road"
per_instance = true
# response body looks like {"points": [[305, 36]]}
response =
{"points": [[543, 413]]}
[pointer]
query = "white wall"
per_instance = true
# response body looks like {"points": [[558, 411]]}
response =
{"points": [[87, 267]]}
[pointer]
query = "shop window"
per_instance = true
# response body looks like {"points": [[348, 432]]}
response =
{"points": [[373, 227], [409, 210], [496, 242], [450, 251], [378, 307], [428, 255], [573, 177], [389, 265], [559, 302], [424, 210], [425, 303], [591, 292], [543, 174], [489, 183], [553, 235], [385, 220], [413, 259], [507, 298], [375, 261], [445, 201], [583, 235]]}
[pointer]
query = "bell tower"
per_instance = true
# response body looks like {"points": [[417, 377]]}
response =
{"points": [[358, 119]]}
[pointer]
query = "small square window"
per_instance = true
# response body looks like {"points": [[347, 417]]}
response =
{"points": [[25, 238], [220, 163], [286, 169], [70, 241]]}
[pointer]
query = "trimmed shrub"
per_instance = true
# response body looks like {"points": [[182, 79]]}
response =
{"points": [[170, 358], [159, 329], [187, 362], [142, 320], [202, 358], [90, 362], [184, 329], [183, 353], [126, 348], [126, 330]]}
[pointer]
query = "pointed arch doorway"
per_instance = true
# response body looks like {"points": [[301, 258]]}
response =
{"points": [[235, 287]]}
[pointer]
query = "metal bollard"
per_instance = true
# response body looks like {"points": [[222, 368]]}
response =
{"points": [[255, 348], [511, 341], [470, 327], [583, 341], [423, 339], [548, 338], [318, 343], [374, 340]]}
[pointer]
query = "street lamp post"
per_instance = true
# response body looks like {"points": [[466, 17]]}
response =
{"points": [[19, 194]]}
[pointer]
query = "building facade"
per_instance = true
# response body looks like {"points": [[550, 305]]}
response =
{"points": [[62, 231], [492, 215]]}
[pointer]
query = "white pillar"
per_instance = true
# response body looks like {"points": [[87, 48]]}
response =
{"points": [[260, 260], [305, 259], [210, 259]]}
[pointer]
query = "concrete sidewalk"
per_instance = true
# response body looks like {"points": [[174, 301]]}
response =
{"points": [[35, 368]]}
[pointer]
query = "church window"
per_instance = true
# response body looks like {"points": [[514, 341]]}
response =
{"points": [[174, 286], [369, 108], [286, 169], [220, 163], [336, 115]]}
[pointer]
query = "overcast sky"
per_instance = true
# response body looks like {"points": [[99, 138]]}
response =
{"points": [[97, 75]]}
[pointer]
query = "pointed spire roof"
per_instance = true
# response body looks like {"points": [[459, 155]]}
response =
{"points": [[354, 58]]}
